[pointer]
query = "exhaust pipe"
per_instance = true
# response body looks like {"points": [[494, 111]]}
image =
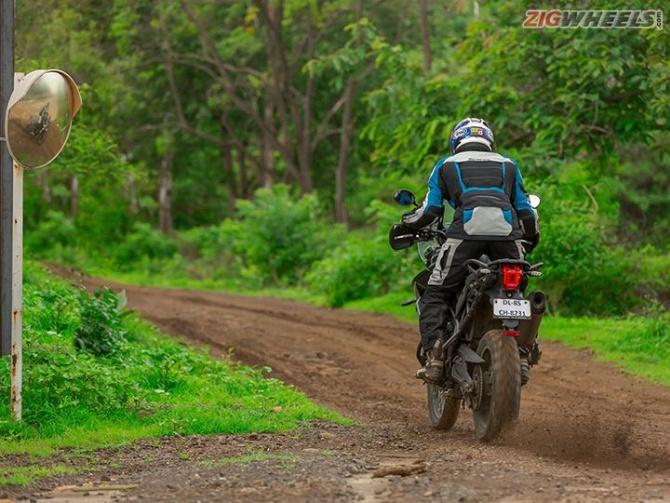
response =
{"points": [[528, 328]]}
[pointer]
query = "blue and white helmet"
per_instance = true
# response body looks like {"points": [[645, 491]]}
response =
{"points": [[472, 131]]}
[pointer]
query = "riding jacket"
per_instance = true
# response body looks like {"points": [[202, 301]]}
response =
{"points": [[486, 191]]}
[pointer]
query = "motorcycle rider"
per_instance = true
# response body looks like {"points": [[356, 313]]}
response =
{"points": [[492, 216]]}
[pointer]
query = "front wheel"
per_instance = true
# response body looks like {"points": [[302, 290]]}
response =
{"points": [[497, 382], [442, 409]]}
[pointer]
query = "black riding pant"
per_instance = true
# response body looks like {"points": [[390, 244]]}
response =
{"points": [[448, 277]]}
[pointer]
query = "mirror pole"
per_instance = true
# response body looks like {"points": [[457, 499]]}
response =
{"points": [[17, 296], [6, 175]]}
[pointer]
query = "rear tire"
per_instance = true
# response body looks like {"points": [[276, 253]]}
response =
{"points": [[443, 410], [498, 384]]}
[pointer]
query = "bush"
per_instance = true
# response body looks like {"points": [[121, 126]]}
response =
{"points": [[58, 379], [279, 236], [143, 243], [100, 330], [52, 235], [365, 266], [358, 269], [582, 274]]}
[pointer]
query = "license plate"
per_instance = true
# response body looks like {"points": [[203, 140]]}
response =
{"points": [[511, 308]]}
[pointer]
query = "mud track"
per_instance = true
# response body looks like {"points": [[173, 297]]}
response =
{"points": [[586, 432]]}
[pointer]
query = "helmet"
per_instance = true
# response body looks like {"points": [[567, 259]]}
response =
{"points": [[471, 131]]}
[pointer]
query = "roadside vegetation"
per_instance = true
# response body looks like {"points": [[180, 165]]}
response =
{"points": [[97, 376]]}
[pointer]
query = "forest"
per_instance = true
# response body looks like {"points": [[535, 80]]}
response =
{"points": [[250, 144]]}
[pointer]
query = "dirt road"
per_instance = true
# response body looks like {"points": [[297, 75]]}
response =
{"points": [[586, 433]]}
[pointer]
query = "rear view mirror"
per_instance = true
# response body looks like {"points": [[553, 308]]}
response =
{"points": [[39, 116], [404, 198], [534, 200]]}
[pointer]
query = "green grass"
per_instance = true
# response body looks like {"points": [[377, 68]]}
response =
{"points": [[149, 386], [24, 475], [639, 345]]}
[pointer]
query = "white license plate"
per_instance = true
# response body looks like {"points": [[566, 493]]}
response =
{"points": [[511, 308]]}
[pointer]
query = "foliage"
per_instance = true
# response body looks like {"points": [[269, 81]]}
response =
{"points": [[358, 269], [55, 231], [100, 331], [143, 243], [363, 265], [334, 101], [279, 235]]}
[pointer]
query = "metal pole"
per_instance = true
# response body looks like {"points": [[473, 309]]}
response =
{"points": [[17, 297], [6, 175]]}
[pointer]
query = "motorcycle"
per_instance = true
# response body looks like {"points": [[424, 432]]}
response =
{"points": [[490, 341]]}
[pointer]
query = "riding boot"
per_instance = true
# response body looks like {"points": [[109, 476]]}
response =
{"points": [[433, 370]]}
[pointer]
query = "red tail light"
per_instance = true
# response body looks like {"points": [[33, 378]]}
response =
{"points": [[511, 276]]}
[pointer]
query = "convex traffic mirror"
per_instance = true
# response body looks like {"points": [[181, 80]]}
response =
{"points": [[39, 116]]}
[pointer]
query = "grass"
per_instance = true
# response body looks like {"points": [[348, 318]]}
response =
{"points": [[639, 345], [149, 386], [24, 475]]}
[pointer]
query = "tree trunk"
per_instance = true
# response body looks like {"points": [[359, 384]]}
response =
{"points": [[43, 180], [267, 166], [165, 221], [242, 166], [231, 180], [343, 159], [131, 194], [74, 196], [425, 35]]}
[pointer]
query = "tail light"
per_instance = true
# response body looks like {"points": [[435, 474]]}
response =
{"points": [[511, 276]]}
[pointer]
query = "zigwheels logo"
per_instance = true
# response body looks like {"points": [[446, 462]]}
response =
{"points": [[558, 18]]}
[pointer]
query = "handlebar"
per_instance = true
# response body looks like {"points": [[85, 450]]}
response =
{"points": [[428, 234]]}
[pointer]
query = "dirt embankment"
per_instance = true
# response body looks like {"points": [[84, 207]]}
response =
{"points": [[586, 432]]}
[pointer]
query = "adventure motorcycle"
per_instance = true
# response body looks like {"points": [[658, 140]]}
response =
{"points": [[489, 343]]}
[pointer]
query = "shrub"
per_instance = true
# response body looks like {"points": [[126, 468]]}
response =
{"points": [[358, 269], [365, 266], [100, 330], [143, 243], [51, 235], [279, 235], [57, 377], [582, 274]]}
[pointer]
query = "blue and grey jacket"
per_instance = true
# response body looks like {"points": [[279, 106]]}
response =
{"points": [[486, 191]]}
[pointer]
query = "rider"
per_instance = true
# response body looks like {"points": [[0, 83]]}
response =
{"points": [[492, 216]]}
